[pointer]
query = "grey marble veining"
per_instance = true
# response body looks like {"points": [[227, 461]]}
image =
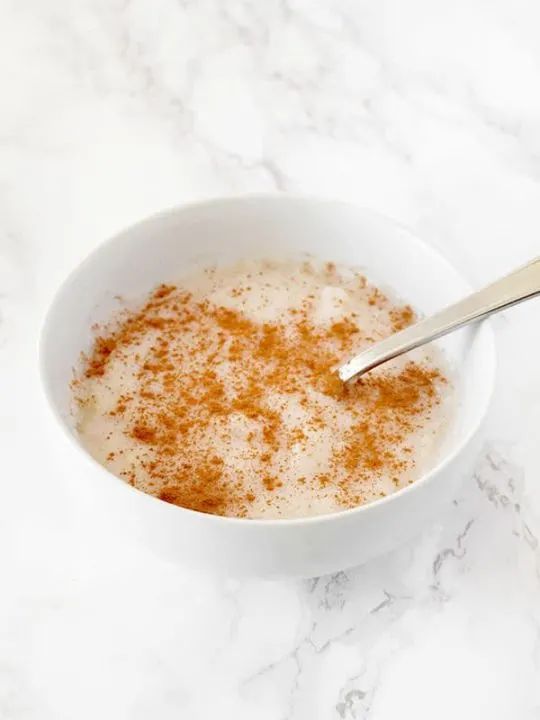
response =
{"points": [[426, 111]]}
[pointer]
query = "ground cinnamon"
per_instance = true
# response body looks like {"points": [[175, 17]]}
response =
{"points": [[179, 404]]}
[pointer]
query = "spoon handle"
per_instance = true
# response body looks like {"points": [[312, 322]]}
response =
{"points": [[520, 285]]}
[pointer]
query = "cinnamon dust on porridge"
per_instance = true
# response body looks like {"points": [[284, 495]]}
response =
{"points": [[218, 393]]}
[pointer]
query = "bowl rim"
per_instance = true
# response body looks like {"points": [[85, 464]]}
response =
{"points": [[484, 334]]}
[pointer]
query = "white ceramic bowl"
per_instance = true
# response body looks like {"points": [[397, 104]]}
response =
{"points": [[159, 249]]}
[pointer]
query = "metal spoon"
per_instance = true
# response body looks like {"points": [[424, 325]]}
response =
{"points": [[520, 285]]}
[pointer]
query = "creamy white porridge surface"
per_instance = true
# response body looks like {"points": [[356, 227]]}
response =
{"points": [[217, 393]]}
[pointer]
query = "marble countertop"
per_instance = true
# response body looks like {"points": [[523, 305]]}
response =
{"points": [[426, 111]]}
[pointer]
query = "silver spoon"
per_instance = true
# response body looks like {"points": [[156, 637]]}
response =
{"points": [[520, 285]]}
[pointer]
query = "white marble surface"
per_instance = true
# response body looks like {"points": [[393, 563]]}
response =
{"points": [[428, 111]]}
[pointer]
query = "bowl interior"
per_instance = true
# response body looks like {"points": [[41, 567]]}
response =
{"points": [[165, 246]]}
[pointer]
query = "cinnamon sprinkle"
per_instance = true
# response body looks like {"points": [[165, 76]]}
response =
{"points": [[180, 409]]}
